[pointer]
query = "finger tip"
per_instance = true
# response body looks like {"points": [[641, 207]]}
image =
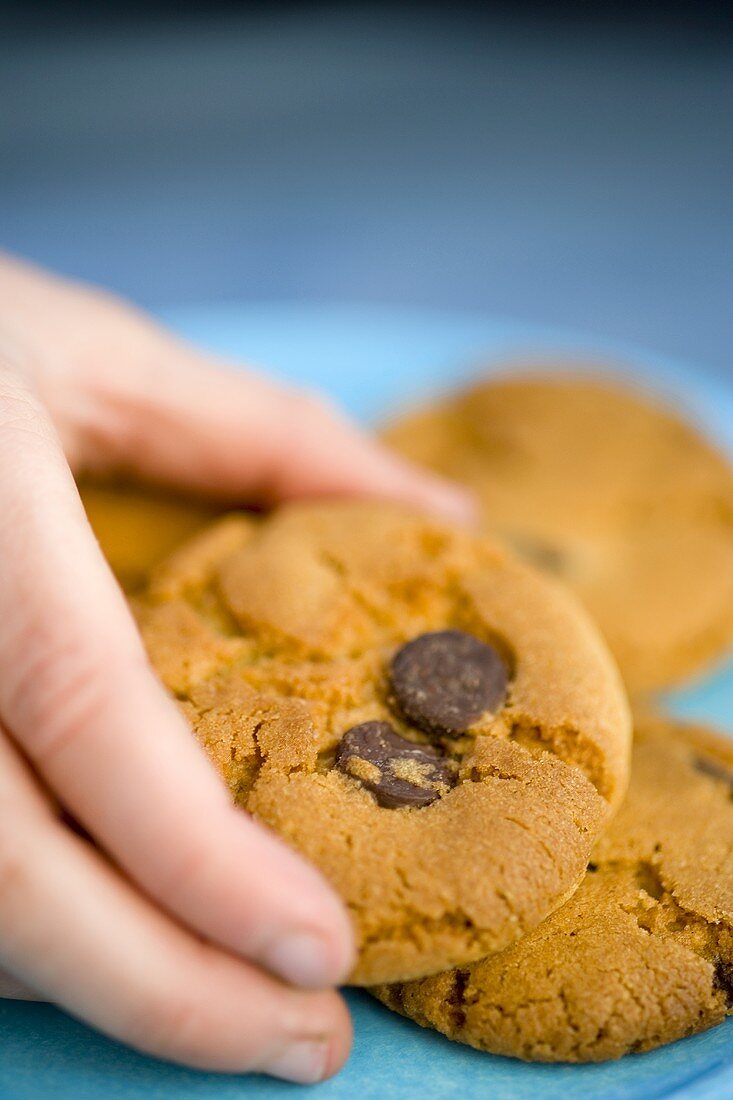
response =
{"points": [[320, 1047]]}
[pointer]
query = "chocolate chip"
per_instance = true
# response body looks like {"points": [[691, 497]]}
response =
{"points": [[445, 681], [723, 980], [714, 770], [397, 771], [544, 555]]}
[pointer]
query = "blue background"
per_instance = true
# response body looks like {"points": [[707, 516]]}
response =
{"points": [[373, 359], [560, 164]]}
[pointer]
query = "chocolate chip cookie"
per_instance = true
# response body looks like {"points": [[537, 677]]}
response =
{"points": [[436, 726], [642, 954], [605, 488]]}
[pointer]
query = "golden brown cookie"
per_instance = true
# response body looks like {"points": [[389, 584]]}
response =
{"points": [[449, 788], [642, 954], [607, 489], [137, 527]]}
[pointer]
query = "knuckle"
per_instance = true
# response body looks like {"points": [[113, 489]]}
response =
{"points": [[310, 419], [184, 874], [185, 1026], [189, 878], [15, 865], [169, 1023], [24, 424], [19, 408], [310, 404], [13, 389], [57, 690], [14, 373], [17, 395]]}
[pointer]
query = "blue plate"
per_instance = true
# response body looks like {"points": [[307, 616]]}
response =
{"points": [[374, 360]]}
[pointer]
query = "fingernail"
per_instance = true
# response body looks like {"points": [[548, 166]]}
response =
{"points": [[304, 1062], [301, 959]]}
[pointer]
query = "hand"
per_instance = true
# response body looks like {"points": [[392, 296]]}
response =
{"points": [[152, 917]]}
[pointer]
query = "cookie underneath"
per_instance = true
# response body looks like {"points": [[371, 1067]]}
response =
{"points": [[642, 954]]}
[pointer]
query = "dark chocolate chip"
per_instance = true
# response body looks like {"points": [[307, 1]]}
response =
{"points": [[397, 771], [456, 998], [711, 768], [544, 555], [723, 980], [445, 681]]}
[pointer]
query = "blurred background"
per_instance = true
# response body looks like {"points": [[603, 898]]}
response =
{"points": [[558, 163]]}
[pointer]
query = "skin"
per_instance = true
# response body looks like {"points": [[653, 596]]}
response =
{"points": [[131, 892]]}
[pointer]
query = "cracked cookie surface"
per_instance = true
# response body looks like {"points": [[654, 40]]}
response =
{"points": [[278, 637], [613, 493], [642, 954]]}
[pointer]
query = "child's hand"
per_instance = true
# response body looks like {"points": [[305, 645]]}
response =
{"points": [[178, 924]]}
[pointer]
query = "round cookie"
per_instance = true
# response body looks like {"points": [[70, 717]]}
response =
{"points": [[451, 819], [137, 527], [642, 954], [610, 491]]}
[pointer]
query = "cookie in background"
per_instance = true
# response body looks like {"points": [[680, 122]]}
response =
{"points": [[604, 486]]}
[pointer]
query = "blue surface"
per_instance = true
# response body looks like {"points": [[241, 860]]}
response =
{"points": [[370, 359]]}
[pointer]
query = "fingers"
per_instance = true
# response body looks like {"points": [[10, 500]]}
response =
{"points": [[78, 696], [188, 422], [73, 928]]}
